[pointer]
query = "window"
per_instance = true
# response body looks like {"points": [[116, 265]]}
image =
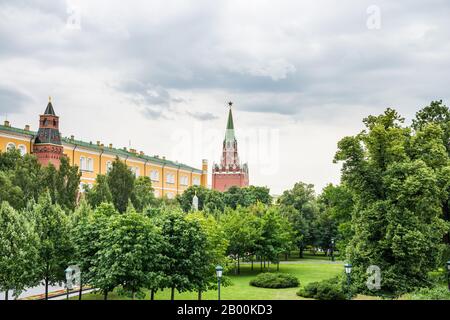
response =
{"points": [[135, 171], [154, 175], [23, 150], [170, 178], [108, 166], [82, 163], [10, 146], [196, 181], [86, 164], [184, 180], [90, 164]]}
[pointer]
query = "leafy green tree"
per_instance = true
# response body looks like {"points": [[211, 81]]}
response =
{"points": [[19, 251], [85, 232], [143, 195], [185, 199], [87, 242], [9, 160], [184, 247], [215, 251], [129, 256], [439, 114], [9, 192], [55, 250], [99, 193], [275, 237], [62, 184], [27, 176], [121, 184], [243, 231], [299, 206], [398, 193], [334, 221]]}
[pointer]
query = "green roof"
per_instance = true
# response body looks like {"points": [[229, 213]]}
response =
{"points": [[229, 132], [113, 151]]}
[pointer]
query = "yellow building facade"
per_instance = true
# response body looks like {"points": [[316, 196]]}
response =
{"points": [[168, 178]]}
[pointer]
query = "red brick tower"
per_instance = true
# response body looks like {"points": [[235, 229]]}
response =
{"points": [[229, 172], [47, 143]]}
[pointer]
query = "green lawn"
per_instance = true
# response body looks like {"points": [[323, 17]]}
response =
{"points": [[308, 270]]}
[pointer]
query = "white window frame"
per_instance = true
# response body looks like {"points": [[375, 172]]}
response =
{"points": [[196, 181], [154, 175], [170, 178], [108, 166], [83, 163], [90, 164], [10, 145], [23, 149]]}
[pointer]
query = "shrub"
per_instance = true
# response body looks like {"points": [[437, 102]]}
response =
{"points": [[275, 281], [435, 293], [325, 290]]}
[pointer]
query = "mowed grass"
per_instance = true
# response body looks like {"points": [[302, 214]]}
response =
{"points": [[309, 270]]}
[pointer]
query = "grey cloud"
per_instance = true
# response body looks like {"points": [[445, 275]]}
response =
{"points": [[12, 100], [202, 116]]}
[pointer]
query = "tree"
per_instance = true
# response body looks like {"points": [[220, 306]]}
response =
{"points": [[87, 241], [242, 230], [9, 192], [85, 234], [143, 195], [185, 199], [184, 248], [19, 251], [398, 194], [62, 184], [215, 251], [334, 222], [275, 235], [439, 114], [121, 184], [55, 250], [99, 193], [129, 256], [299, 206]]}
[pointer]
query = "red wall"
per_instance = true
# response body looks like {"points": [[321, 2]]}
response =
{"points": [[222, 182]]}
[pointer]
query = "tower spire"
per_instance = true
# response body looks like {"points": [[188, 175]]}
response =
{"points": [[229, 132]]}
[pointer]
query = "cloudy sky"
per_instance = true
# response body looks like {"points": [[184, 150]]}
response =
{"points": [[157, 75]]}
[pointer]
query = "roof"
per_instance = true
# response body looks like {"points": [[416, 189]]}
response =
{"points": [[49, 110], [229, 132], [113, 151]]}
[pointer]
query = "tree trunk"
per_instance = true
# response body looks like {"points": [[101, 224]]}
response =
{"points": [[286, 256], [252, 263], [268, 266], [199, 295], [301, 253], [264, 263], [152, 294], [105, 295], [239, 266], [132, 295], [46, 288], [260, 260], [172, 294], [80, 293], [446, 215], [6, 295]]}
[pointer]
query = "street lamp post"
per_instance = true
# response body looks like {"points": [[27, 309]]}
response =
{"points": [[348, 271], [332, 249], [448, 274], [219, 271]]}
